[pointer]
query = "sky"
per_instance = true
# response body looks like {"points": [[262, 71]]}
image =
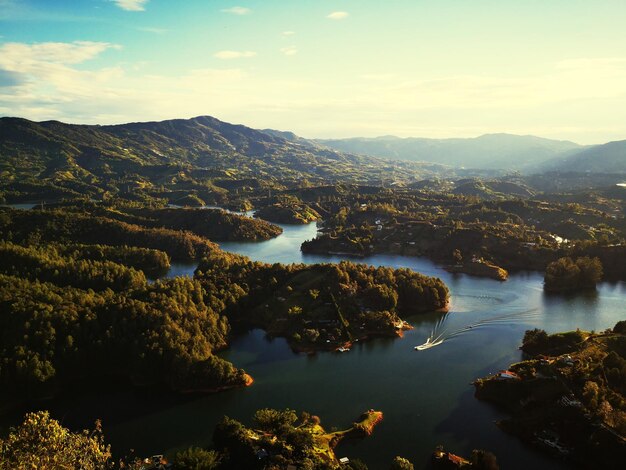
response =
{"points": [[323, 68]]}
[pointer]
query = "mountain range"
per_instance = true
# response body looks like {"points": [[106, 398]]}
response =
{"points": [[196, 153], [201, 156], [508, 152]]}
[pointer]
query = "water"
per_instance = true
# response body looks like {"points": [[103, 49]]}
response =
{"points": [[20, 206], [425, 395]]}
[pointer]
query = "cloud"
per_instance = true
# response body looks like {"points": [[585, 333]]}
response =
{"points": [[237, 10], [20, 56], [150, 29], [288, 33], [131, 5], [289, 50], [234, 54], [582, 99], [338, 15]]}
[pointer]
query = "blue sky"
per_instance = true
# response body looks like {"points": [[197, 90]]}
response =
{"points": [[323, 68]]}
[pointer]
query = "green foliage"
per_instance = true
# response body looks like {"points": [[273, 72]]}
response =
{"points": [[537, 341], [46, 264], [620, 327], [355, 464], [347, 295], [196, 458], [400, 463], [288, 213], [159, 333], [214, 224], [60, 226], [566, 274], [275, 421], [41, 443]]}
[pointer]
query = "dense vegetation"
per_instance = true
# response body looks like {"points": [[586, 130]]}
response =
{"points": [[459, 229], [46, 264], [185, 162], [60, 226], [161, 333], [319, 306], [278, 439], [76, 305], [567, 275], [41, 443], [569, 397], [288, 213]]}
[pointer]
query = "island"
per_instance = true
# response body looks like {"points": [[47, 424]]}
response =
{"points": [[568, 275], [76, 278], [568, 397], [282, 438], [322, 306], [276, 439], [285, 213], [481, 268]]}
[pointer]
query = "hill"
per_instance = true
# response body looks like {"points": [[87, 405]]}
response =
{"points": [[608, 158], [490, 151], [171, 159]]}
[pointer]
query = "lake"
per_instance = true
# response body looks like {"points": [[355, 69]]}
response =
{"points": [[426, 396]]}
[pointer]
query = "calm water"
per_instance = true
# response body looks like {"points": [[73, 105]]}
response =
{"points": [[426, 396]]}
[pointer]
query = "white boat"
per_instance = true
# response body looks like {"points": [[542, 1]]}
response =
{"points": [[428, 344]]}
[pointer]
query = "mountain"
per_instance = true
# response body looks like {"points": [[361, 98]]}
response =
{"points": [[490, 151], [202, 156], [607, 158]]}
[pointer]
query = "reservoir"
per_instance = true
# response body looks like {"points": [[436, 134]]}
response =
{"points": [[426, 396]]}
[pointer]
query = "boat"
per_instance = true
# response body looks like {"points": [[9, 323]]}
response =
{"points": [[429, 343], [342, 349]]}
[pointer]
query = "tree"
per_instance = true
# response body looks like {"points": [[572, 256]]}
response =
{"points": [[400, 463], [196, 458], [40, 442], [274, 421], [355, 464], [295, 311], [565, 274]]}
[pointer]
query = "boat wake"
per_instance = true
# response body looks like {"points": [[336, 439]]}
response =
{"points": [[440, 333]]}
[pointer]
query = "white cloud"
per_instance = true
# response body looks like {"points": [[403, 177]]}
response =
{"points": [[131, 5], [234, 54], [583, 99], [21, 56], [288, 33], [289, 50], [338, 15], [237, 10], [151, 29]]}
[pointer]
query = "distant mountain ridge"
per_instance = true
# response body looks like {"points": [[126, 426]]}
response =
{"points": [[190, 156], [606, 158], [489, 151]]}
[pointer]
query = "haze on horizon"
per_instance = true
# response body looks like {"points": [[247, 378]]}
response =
{"points": [[323, 68]]}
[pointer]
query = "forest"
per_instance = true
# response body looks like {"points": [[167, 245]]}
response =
{"points": [[275, 439], [568, 397], [86, 300], [78, 305]]}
